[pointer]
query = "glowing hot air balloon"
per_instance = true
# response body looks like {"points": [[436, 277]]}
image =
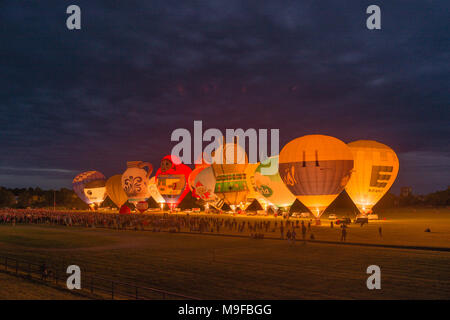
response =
{"points": [[272, 187], [153, 189], [115, 191], [252, 188], [204, 184], [229, 164], [316, 168], [191, 179], [135, 181], [95, 191], [171, 180], [375, 170]]}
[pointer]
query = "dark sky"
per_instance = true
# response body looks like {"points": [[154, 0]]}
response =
{"points": [[137, 70]]}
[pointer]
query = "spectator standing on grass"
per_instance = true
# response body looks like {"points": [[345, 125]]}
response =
{"points": [[282, 231], [344, 232], [331, 225], [288, 235], [309, 225], [380, 232], [293, 234]]}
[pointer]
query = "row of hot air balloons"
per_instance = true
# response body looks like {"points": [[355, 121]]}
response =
{"points": [[314, 169]]}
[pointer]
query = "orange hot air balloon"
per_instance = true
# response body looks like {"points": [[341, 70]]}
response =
{"points": [[115, 191], [375, 170], [316, 168]]}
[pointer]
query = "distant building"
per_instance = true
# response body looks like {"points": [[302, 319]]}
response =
{"points": [[405, 191]]}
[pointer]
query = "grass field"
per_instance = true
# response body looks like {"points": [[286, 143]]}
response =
{"points": [[14, 288], [218, 267]]}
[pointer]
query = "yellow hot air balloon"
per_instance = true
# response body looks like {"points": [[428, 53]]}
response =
{"points": [[315, 168], [153, 189], [229, 164], [272, 187], [252, 188], [375, 170], [115, 191]]}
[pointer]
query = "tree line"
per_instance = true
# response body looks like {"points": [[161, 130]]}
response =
{"points": [[67, 199]]}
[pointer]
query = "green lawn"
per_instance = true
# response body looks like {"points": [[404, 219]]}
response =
{"points": [[217, 267]]}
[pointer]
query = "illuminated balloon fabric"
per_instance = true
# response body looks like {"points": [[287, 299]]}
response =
{"points": [[95, 191], [153, 189], [191, 180], [124, 209], [135, 180], [115, 191], [172, 179], [315, 168], [250, 175], [229, 164], [80, 181], [251, 185], [204, 184], [375, 170], [272, 187], [142, 206]]}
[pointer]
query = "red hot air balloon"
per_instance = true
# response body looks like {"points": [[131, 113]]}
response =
{"points": [[172, 180]]}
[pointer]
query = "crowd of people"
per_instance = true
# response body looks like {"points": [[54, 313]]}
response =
{"points": [[255, 228]]}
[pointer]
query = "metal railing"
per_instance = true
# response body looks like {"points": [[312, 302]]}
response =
{"points": [[105, 288]]}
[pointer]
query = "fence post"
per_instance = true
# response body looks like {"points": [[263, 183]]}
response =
{"points": [[112, 289]]}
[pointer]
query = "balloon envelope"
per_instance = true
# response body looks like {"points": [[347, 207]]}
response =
{"points": [[115, 191], [81, 180], [272, 187], [375, 170], [315, 168], [172, 179], [204, 184], [229, 164], [153, 189], [253, 192], [191, 180]]}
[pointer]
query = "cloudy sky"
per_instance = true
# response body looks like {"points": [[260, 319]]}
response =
{"points": [[137, 70]]}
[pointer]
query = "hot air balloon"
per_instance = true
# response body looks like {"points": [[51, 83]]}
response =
{"points": [[204, 184], [135, 181], [142, 206], [376, 167], [153, 189], [272, 187], [316, 168], [229, 164], [115, 191], [191, 180], [94, 192], [172, 179], [252, 189]]}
